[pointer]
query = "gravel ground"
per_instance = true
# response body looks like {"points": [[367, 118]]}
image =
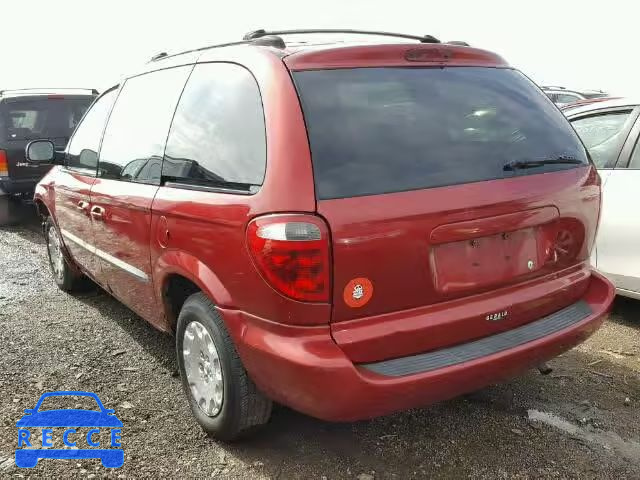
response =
{"points": [[581, 421]]}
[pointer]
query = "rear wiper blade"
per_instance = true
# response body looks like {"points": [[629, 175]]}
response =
{"points": [[563, 159]]}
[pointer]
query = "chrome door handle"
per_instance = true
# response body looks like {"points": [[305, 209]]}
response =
{"points": [[97, 212], [82, 205]]}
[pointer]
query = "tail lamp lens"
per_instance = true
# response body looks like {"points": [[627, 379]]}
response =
{"points": [[291, 252], [4, 167]]}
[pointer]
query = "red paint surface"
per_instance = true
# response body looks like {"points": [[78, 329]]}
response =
{"points": [[70, 197], [386, 238], [124, 232]]}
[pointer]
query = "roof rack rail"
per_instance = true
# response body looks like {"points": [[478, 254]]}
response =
{"points": [[272, 39], [45, 91], [256, 34], [163, 55]]}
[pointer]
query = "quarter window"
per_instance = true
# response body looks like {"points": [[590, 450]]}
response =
{"points": [[217, 138], [603, 135], [83, 148], [135, 137]]}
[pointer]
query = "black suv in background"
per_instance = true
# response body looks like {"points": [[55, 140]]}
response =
{"points": [[27, 115]]}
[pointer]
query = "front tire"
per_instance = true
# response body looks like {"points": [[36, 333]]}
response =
{"points": [[222, 397], [66, 277]]}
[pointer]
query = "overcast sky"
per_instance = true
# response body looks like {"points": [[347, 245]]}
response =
{"points": [[93, 43]]}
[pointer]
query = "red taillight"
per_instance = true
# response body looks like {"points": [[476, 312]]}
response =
{"points": [[291, 252], [4, 167]]}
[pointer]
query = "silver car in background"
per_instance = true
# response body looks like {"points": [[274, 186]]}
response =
{"points": [[610, 130], [563, 96]]}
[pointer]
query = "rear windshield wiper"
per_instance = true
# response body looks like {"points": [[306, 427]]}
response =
{"points": [[563, 159]]}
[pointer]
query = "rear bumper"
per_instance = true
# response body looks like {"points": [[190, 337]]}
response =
{"points": [[13, 186], [302, 367]]}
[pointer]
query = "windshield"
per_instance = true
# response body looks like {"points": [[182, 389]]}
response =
{"points": [[380, 130], [31, 119]]}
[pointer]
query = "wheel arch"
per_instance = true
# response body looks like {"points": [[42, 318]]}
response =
{"points": [[179, 274], [44, 199], [41, 208]]}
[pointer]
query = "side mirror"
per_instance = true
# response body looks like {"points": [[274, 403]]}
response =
{"points": [[28, 410], [40, 152]]}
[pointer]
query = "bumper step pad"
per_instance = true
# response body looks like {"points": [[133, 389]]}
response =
{"points": [[446, 357]]}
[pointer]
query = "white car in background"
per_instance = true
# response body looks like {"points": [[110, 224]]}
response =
{"points": [[610, 129]]}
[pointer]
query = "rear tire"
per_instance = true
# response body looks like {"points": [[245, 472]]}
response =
{"points": [[222, 397], [68, 278]]}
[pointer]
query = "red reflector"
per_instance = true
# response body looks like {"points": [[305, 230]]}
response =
{"points": [[4, 166], [291, 252]]}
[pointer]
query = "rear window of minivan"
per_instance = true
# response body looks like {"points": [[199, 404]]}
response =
{"points": [[382, 130]]}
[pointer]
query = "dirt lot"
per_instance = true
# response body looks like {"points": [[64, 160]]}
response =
{"points": [[581, 421]]}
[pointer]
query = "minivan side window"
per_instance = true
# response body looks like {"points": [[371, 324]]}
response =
{"points": [[82, 153], [135, 136], [217, 137]]}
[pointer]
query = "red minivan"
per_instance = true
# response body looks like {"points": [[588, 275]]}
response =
{"points": [[346, 228]]}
